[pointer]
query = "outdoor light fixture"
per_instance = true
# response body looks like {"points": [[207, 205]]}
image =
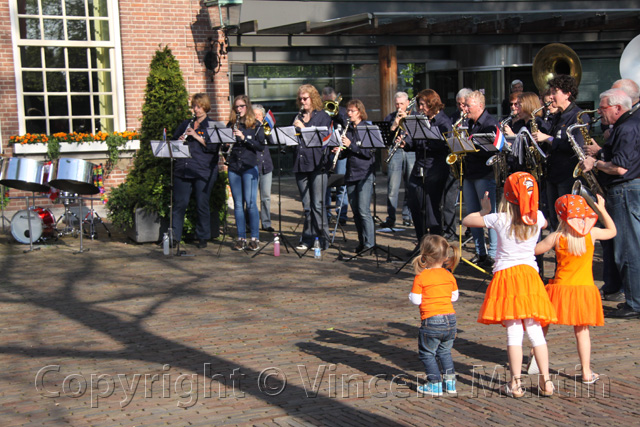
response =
{"points": [[229, 23]]}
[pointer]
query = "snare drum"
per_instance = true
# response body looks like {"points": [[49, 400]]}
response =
{"points": [[42, 224]]}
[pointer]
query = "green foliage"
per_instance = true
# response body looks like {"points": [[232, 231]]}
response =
{"points": [[166, 105]]}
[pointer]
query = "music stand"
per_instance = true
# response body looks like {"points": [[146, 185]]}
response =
{"points": [[172, 150], [371, 137], [284, 136]]}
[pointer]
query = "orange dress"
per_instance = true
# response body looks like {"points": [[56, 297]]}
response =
{"points": [[573, 292]]}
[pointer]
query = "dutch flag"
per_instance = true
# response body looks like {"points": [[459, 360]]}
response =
{"points": [[271, 120], [499, 141]]}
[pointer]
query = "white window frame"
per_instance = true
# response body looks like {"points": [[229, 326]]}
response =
{"points": [[115, 46]]}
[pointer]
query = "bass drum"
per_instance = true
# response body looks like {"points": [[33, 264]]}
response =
{"points": [[42, 224]]}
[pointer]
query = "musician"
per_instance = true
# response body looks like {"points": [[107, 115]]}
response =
{"points": [[478, 177], [561, 159], [399, 167], [620, 173], [196, 174], [549, 112], [339, 122], [430, 171], [265, 174], [526, 104], [310, 166], [243, 170], [359, 175], [460, 97], [516, 87]]}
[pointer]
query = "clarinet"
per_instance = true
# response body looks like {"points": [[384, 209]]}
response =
{"points": [[340, 147], [190, 125], [227, 152]]}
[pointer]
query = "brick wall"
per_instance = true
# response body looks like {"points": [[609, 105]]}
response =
{"points": [[145, 26]]}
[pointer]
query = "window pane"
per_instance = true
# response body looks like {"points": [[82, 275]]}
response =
{"points": [[104, 124], [53, 29], [52, 7], [30, 57], [29, 29], [56, 81], [77, 57], [80, 105], [34, 105], [102, 104], [99, 30], [82, 125], [58, 106], [32, 81], [79, 82], [74, 7], [28, 7], [36, 126], [54, 57], [76, 30], [59, 125], [101, 81], [100, 58], [98, 8]]}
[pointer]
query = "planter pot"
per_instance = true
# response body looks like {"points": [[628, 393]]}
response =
{"points": [[148, 227], [73, 147]]}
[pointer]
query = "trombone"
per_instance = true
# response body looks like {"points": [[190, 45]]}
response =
{"points": [[333, 107]]}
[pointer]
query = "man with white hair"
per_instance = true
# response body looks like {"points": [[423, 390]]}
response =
{"points": [[620, 172], [631, 88]]}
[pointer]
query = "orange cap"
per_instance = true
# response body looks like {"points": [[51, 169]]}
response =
{"points": [[521, 189], [574, 210]]}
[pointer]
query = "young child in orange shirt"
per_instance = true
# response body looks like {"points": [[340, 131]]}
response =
{"points": [[434, 289], [572, 291]]}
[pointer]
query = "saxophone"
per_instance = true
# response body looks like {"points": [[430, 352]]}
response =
{"points": [[453, 159], [399, 129], [590, 177], [577, 171], [533, 151]]}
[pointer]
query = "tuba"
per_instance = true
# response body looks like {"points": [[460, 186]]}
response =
{"points": [[552, 60], [332, 107]]}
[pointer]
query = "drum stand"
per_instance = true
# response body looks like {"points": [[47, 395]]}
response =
{"points": [[81, 250], [29, 210], [90, 218], [68, 229], [4, 218]]}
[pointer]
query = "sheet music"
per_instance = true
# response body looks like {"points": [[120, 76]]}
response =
{"points": [[178, 149]]}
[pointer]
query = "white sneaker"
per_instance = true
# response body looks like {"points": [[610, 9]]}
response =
{"points": [[302, 247]]}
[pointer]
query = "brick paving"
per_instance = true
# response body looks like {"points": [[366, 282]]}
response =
{"points": [[122, 335]]}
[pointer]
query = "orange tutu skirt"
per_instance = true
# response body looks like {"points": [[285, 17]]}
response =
{"points": [[576, 305], [516, 293]]}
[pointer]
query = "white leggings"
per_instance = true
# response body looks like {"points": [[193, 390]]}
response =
{"points": [[515, 332]]}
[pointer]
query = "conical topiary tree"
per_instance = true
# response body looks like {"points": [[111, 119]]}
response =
{"points": [[166, 105]]}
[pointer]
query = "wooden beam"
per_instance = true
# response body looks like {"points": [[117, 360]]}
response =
{"points": [[295, 28]]}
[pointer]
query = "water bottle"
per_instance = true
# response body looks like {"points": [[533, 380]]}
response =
{"points": [[276, 246], [317, 250], [165, 244]]}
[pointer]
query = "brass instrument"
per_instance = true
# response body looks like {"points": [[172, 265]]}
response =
{"points": [[397, 142], [340, 147], [552, 60], [534, 124], [534, 157], [590, 177], [267, 128], [452, 160], [506, 121], [455, 160], [333, 107], [584, 130], [580, 190]]}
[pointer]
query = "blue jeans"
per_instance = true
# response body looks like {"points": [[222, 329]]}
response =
{"points": [[264, 183], [553, 192], [435, 341], [399, 168], [360, 199], [244, 190], [623, 201], [313, 187], [472, 193], [341, 192]]}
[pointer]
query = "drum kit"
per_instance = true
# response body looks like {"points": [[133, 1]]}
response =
{"points": [[73, 177]]}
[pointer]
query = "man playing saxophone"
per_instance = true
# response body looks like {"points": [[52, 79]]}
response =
{"points": [[620, 173]]}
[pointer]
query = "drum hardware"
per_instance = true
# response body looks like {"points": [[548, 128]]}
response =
{"points": [[90, 219], [68, 213]]}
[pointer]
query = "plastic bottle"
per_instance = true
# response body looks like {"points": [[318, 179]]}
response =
{"points": [[276, 246], [317, 250], [165, 244]]}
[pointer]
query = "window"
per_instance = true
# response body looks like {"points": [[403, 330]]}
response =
{"points": [[66, 68]]}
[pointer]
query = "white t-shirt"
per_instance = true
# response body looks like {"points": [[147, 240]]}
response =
{"points": [[511, 252]]}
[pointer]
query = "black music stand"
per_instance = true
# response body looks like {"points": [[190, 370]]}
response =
{"points": [[284, 137], [172, 150], [371, 137]]}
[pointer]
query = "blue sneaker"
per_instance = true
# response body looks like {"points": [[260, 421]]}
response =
{"points": [[450, 386], [432, 389]]}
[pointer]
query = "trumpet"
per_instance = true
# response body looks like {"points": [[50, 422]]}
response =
{"points": [[397, 142], [590, 177], [340, 147], [333, 107]]}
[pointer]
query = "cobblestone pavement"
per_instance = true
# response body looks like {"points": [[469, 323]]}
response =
{"points": [[122, 335]]}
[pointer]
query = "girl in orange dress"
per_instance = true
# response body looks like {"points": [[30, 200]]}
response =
{"points": [[573, 292], [516, 297]]}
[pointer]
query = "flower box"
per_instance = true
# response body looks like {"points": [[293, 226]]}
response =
{"points": [[73, 147]]}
